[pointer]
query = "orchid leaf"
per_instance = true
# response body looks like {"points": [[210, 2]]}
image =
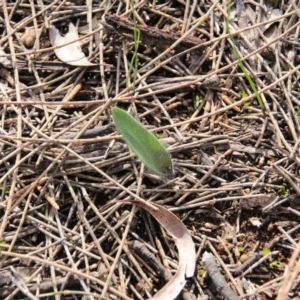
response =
{"points": [[143, 143]]}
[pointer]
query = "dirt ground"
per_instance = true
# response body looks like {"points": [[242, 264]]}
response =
{"points": [[218, 85]]}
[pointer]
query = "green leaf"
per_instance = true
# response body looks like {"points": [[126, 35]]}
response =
{"points": [[197, 101], [266, 251], [143, 143], [159, 135], [284, 191], [275, 264], [241, 249], [3, 243]]}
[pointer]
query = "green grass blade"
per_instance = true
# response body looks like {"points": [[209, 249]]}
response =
{"points": [[143, 143], [241, 64], [136, 39]]}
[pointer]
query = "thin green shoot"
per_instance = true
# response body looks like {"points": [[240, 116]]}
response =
{"points": [[241, 64], [284, 191], [276, 263], [134, 60], [197, 101], [245, 95]]}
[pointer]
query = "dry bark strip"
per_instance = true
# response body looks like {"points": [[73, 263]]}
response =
{"points": [[149, 36]]}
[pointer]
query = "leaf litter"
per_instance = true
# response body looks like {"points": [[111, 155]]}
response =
{"points": [[71, 53], [236, 187], [184, 243]]}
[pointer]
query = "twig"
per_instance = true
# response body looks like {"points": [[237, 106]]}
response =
{"points": [[218, 280]]}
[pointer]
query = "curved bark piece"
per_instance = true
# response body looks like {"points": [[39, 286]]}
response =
{"points": [[184, 243]]}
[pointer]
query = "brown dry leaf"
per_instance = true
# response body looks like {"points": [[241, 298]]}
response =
{"points": [[184, 243], [70, 54]]}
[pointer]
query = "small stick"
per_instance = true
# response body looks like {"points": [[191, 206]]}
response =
{"points": [[49, 198], [217, 278]]}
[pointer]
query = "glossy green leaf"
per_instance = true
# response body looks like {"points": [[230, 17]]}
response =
{"points": [[143, 143]]}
